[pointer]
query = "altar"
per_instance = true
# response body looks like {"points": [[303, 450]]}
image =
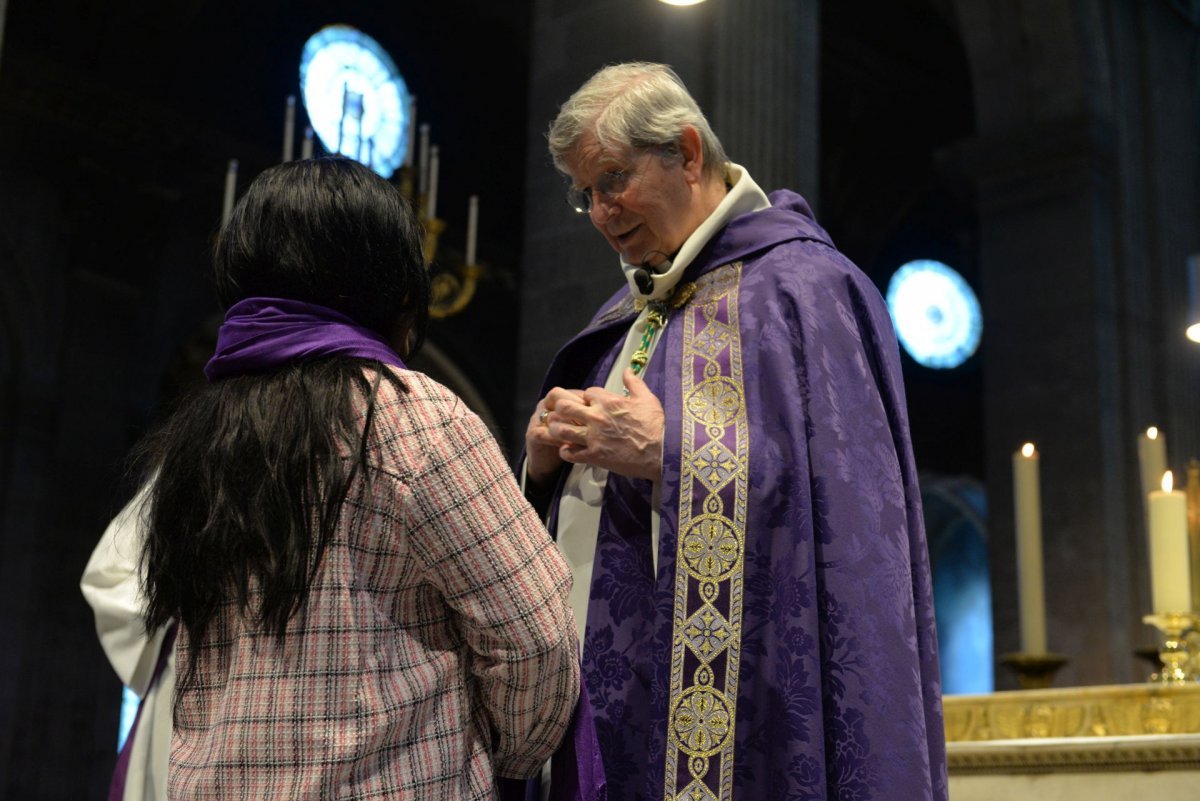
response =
{"points": [[1117, 743]]}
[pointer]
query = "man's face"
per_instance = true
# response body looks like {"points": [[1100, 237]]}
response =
{"points": [[652, 216]]}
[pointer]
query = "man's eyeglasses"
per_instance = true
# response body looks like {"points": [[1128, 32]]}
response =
{"points": [[610, 184]]}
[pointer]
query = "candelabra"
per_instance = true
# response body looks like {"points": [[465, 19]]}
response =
{"points": [[451, 289]]}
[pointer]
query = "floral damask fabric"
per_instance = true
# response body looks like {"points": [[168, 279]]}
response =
{"points": [[785, 648]]}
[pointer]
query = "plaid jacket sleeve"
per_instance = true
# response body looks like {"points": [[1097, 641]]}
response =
{"points": [[491, 558]]}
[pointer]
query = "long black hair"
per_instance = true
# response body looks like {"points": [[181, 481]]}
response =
{"points": [[248, 475]]}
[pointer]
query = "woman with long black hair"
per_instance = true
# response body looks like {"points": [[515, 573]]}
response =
{"points": [[367, 606]]}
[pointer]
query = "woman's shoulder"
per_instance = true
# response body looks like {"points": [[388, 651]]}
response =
{"points": [[416, 416], [410, 397]]}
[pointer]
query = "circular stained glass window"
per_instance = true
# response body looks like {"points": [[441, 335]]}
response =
{"points": [[936, 314], [356, 100]]}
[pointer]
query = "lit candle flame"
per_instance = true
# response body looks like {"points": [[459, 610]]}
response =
{"points": [[1168, 481], [1027, 450], [1152, 432]]}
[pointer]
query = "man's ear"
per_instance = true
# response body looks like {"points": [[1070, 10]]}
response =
{"points": [[692, 152]]}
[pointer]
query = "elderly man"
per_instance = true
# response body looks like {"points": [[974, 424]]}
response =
{"points": [[725, 456]]}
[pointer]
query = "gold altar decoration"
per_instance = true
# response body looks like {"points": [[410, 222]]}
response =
{"points": [[1109, 728], [1107, 711]]}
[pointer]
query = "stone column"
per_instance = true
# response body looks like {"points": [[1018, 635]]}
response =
{"points": [[1053, 375], [1087, 200], [3, 14], [765, 81]]}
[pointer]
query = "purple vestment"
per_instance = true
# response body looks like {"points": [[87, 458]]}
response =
{"points": [[785, 648]]}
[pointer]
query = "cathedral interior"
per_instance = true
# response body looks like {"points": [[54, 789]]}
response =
{"points": [[1049, 152]]}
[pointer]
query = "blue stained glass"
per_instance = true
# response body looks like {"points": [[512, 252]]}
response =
{"points": [[937, 316], [129, 707], [356, 100], [963, 602], [955, 512]]}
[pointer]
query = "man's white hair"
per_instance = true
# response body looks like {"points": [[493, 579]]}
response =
{"points": [[633, 105]]}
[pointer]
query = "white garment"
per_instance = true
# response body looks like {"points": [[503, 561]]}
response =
{"points": [[583, 492], [111, 584]]}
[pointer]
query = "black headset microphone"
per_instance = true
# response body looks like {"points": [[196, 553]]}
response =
{"points": [[644, 280], [643, 277]]}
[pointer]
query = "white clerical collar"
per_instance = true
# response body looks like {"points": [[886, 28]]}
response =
{"points": [[743, 196]]}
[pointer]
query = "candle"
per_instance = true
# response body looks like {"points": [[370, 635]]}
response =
{"points": [[306, 147], [289, 127], [412, 132], [472, 227], [230, 188], [1170, 568], [423, 165], [1031, 588], [1152, 461], [431, 206]]}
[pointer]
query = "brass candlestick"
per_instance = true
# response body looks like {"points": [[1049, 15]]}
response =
{"points": [[1192, 665], [1173, 647], [1034, 671]]}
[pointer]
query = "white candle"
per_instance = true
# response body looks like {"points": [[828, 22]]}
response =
{"points": [[1170, 568], [433, 183], [423, 165], [230, 189], [1030, 584], [412, 132], [472, 227], [306, 147], [1152, 461], [289, 127]]}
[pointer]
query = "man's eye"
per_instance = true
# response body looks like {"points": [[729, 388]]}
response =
{"points": [[610, 180]]}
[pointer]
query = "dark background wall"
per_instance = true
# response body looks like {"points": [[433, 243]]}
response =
{"points": [[1046, 150]]}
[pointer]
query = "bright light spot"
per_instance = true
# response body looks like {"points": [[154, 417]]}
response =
{"points": [[937, 316], [1027, 450], [1152, 432], [129, 708], [1168, 481], [682, 2], [1193, 332]]}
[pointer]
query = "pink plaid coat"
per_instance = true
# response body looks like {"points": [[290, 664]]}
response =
{"points": [[436, 647]]}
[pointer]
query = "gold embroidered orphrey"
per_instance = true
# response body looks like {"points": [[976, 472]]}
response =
{"points": [[714, 474]]}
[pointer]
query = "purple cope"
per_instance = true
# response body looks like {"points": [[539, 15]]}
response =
{"points": [[786, 645]]}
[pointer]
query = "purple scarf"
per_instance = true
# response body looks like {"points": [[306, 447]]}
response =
{"points": [[261, 334]]}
